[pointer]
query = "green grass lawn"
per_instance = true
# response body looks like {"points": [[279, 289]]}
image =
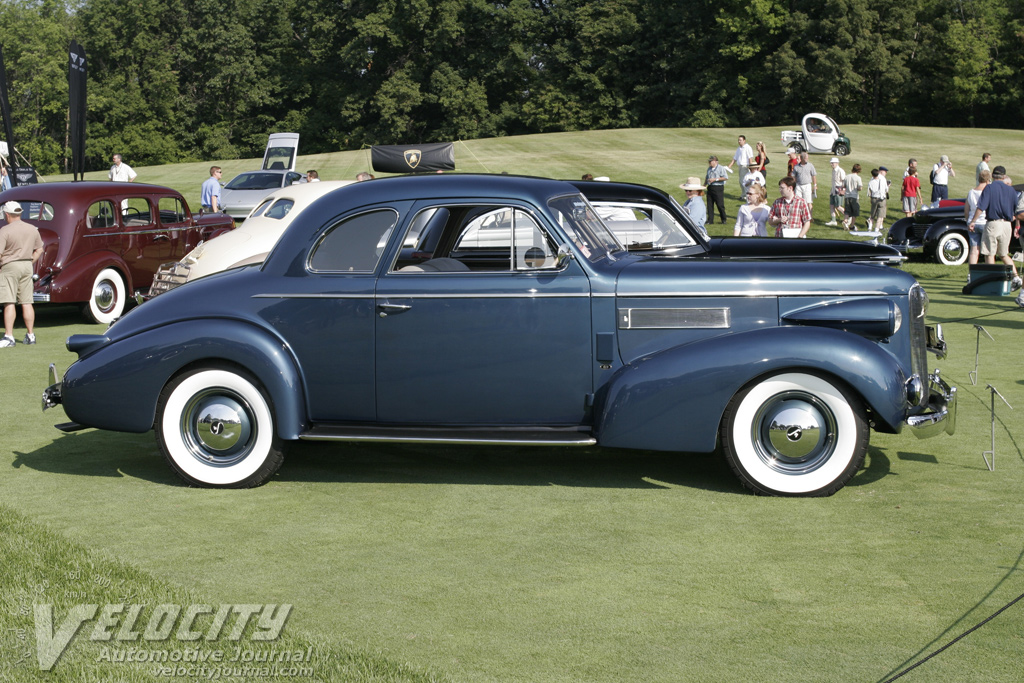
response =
{"points": [[410, 562]]}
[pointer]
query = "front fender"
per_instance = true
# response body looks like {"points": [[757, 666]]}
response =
{"points": [[901, 231], [674, 400], [939, 228], [117, 385], [74, 281]]}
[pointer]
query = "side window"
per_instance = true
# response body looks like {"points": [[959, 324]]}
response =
{"points": [[171, 210], [280, 209], [355, 244], [101, 215], [136, 212]]}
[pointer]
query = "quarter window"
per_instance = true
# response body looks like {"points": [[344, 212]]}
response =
{"points": [[355, 244], [101, 215]]}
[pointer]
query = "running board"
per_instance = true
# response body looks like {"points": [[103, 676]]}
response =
{"points": [[454, 435]]}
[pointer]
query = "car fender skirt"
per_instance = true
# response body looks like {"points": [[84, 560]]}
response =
{"points": [[117, 386], [673, 400]]}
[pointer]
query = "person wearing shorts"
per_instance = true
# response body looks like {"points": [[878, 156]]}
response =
{"points": [[806, 180], [20, 248], [998, 202], [851, 201], [911, 193]]}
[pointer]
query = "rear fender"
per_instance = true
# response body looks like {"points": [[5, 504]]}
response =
{"points": [[674, 400], [116, 386], [74, 281]]}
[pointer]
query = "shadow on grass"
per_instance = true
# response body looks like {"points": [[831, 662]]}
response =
{"points": [[95, 453], [960, 622], [877, 465]]}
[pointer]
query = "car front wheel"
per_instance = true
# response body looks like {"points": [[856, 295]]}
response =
{"points": [[215, 426], [795, 434], [952, 249], [107, 297]]}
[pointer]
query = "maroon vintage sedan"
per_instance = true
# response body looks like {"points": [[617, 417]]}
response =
{"points": [[103, 241]]}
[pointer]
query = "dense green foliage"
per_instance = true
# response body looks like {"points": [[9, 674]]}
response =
{"points": [[181, 80]]}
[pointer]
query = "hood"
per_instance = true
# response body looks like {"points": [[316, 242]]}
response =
{"points": [[759, 277], [773, 248]]}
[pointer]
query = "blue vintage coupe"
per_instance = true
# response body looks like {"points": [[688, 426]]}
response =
{"points": [[495, 310]]}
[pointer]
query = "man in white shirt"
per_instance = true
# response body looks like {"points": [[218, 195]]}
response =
{"points": [[744, 153], [940, 178], [121, 173], [878, 190]]}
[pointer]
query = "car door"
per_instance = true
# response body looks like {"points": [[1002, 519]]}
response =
{"points": [[175, 219], [479, 324], [819, 134], [145, 244]]}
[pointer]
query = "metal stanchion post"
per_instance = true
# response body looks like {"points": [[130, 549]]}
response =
{"points": [[977, 353], [992, 464]]}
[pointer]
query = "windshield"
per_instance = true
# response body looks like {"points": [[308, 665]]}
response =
{"points": [[581, 223], [257, 180], [643, 227]]}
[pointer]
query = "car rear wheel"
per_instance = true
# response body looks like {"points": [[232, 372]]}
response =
{"points": [[107, 298], [952, 249], [796, 147], [795, 434], [215, 426]]}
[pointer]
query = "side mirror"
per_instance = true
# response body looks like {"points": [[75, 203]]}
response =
{"points": [[565, 254]]}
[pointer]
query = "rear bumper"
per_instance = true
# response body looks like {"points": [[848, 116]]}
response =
{"points": [[940, 416]]}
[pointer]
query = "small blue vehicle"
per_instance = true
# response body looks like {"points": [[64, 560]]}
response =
{"points": [[477, 309]]}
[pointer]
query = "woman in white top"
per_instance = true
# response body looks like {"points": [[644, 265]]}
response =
{"points": [[974, 231], [750, 220]]}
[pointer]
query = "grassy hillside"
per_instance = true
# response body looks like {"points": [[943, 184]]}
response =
{"points": [[662, 158]]}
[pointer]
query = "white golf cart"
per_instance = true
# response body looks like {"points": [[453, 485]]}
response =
{"points": [[820, 135]]}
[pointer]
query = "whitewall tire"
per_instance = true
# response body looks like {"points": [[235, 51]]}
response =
{"points": [[952, 249], [107, 297], [795, 434], [215, 426]]}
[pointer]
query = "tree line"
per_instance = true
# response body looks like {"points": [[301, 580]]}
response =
{"points": [[185, 80]]}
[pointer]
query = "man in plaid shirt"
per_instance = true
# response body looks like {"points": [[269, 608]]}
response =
{"points": [[789, 211]]}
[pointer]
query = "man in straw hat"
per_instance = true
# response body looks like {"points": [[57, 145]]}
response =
{"points": [[694, 205], [20, 247]]}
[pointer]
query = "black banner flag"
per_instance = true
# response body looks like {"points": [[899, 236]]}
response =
{"points": [[76, 110], [429, 158], [5, 113]]}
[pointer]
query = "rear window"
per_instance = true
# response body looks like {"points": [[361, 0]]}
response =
{"points": [[36, 211]]}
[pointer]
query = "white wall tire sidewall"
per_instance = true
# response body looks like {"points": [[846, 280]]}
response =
{"points": [[175, 446], [114, 277], [952, 236], [826, 474]]}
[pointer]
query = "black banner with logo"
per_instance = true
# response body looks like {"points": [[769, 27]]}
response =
{"points": [[428, 158], [76, 109], [5, 114]]}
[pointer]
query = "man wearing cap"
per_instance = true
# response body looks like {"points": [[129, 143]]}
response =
{"points": [[715, 178], [998, 202], [20, 247], [835, 195], [940, 178]]}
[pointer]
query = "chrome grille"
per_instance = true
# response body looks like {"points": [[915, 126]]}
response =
{"points": [[169, 276], [918, 331]]}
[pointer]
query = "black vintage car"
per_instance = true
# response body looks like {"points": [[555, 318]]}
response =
{"points": [[939, 232]]}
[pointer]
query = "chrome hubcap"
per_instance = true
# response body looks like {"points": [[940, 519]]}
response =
{"points": [[794, 433], [104, 295], [217, 427], [952, 250]]}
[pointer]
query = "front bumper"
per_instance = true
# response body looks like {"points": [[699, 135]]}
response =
{"points": [[169, 276], [940, 415]]}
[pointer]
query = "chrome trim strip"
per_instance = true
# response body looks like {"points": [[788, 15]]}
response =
{"points": [[38, 298], [747, 294], [401, 295], [474, 441], [674, 318]]}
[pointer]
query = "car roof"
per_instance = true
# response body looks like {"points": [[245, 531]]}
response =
{"points": [[455, 185], [83, 190]]}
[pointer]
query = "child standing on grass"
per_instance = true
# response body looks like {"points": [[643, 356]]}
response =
{"points": [[911, 192]]}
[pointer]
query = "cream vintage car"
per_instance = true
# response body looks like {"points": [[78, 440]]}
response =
{"points": [[250, 242]]}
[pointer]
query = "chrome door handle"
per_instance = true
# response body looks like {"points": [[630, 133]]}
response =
{"points": [[392, 308], [160, 237]]}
